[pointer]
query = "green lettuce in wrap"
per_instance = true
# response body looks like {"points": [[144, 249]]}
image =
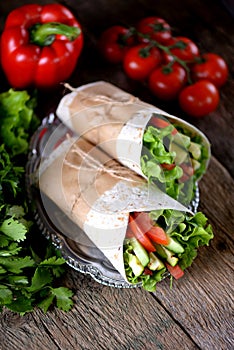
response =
{"points": [[162, 241], [173, 158]]}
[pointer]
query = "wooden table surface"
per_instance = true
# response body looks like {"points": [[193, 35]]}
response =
{"points": [[197, 313]]}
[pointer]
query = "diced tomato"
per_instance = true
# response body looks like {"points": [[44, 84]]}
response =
{"points": [[188, 171], [129, 233], [168, 166], [143, 220], [175, 271], [184, 178], [154, 233], [158, 235], [140, 236], [147, 271], [187, 168], [161, 123]]}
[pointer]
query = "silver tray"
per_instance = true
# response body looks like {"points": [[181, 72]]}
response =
{"points": [[83, 256]]}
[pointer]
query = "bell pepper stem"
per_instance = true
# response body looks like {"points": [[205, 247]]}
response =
{"points": [[44, 34]]}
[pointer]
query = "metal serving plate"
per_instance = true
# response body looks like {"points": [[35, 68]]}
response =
{"points": [[82, 255]]}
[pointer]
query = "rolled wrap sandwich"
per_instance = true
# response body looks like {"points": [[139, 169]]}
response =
{"points": [[141, 230], [166, 150]]}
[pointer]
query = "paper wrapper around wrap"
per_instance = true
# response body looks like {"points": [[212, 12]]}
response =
{"points": [[115, 120], [97, 194]]}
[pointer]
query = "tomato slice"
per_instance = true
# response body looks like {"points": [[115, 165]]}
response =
{"points": [[143, 220], [154, 233], [175, 271], [188, 172], [184, 178], [140, 236], [158, 235], [168, 166], [161, 123], [147, 271], [187, 168], [129, 233]]}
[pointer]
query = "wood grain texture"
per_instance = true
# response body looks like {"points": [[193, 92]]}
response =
{"points": [[198, 312], [102, 318], [204, 298]]}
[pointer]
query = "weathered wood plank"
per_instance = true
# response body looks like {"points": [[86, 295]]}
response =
{"points": [[102, 318], [203, 300]]}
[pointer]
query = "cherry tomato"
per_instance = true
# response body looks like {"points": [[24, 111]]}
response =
{"points": [[154, 28], [183, 48], [167, 58], [212, 67], [166, 83], [140, 60], [114, 42], [199, 99], [175, 271], [140, 236]]}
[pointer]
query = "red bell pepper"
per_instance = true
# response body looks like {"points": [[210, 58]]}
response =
{"points": [[40, 45]]}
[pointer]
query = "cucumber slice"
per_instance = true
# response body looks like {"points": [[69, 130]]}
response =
{"points": [[155, 263], [140, 252], [136, 266]]}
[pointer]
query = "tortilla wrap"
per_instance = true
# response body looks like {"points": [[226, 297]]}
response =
{"points": [[115, 120], [97, 193]]}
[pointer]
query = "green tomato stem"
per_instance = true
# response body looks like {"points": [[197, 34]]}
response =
{"points": [[167, 49]]}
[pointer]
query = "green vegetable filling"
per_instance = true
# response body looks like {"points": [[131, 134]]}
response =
{"points": [[165, 157], [187, 233]]}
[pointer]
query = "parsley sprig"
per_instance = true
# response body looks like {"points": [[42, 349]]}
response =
{"points": [[28, 278]]}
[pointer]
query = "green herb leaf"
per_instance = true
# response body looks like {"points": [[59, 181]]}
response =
{"points": [[26, 278], [16, 265], [21, 305], [41, 278], [14, 229], [6, 295], [63, 298], [46, 302], [18, 280], [56, 265], [12, 249]]}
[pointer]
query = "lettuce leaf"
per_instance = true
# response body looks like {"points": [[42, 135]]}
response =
{"points": [[155, 152], [16, 118], [160, 147], [190, 231]]}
